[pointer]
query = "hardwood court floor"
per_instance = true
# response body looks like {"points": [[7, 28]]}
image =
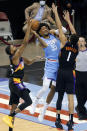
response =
{"points": [[24, 125]]}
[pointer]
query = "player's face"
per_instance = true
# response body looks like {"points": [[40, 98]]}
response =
{"points": [[44, 31], [81, 42], [13, 49]]}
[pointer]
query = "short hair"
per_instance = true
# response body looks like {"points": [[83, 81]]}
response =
{"points": [[82, 37], [74, 39], [8, 50], [41, 25]]}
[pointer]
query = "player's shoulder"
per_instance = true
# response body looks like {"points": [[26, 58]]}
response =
{"points": [[35, 4]]}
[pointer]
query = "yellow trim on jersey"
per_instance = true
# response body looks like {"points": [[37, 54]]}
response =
{"points": [[74, 73], [17, 80], [20, 67]]}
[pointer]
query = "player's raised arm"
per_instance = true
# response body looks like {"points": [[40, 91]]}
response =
{"points": [[62, 36], [66, 17], [19, 52]]}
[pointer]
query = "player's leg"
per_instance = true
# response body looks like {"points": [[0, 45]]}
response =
{"points": [[46, 84], [24, 94], [13, 107], [9, 120], [60, 88], [58, 107], [48, 100], [81, 93], [70, 84]]}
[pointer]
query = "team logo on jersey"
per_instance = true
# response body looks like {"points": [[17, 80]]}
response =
{"points": [[52, 44]]}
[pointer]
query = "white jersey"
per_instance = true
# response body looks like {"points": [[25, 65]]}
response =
{"points": [[81, 61]]}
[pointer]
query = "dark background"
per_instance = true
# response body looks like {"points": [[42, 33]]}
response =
{"points": [[15, 13], [14, 10]]}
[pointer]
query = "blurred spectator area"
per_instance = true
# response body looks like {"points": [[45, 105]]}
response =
{"points": [[15, 13], [61, 4], [3, 16], [79, 18], [5, 30]]}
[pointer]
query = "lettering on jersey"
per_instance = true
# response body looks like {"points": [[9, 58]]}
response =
{"points": [[71, 49], [52, 44]]}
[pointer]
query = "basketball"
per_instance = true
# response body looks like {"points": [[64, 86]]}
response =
{"points": [[34, 24]]}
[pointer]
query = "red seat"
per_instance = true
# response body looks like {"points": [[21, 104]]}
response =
{"points": [[3, 16]]}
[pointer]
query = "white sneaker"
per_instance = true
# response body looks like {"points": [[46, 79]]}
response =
{"points": [[32, 109], [41, 116], [33, 106]]}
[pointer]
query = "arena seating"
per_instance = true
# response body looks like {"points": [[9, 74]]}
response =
{"points": [[5, 30]]}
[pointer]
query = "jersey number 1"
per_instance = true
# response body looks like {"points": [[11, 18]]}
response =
{"points": [[68, 56]]}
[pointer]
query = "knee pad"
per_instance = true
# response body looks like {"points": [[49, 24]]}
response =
{"points": [[26, 97], [29, 102]]}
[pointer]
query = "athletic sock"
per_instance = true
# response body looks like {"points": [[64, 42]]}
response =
{"points": [[58, 117], [13, 114], [45, 107], [10, 129], [71, 117], [41, 116]]}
